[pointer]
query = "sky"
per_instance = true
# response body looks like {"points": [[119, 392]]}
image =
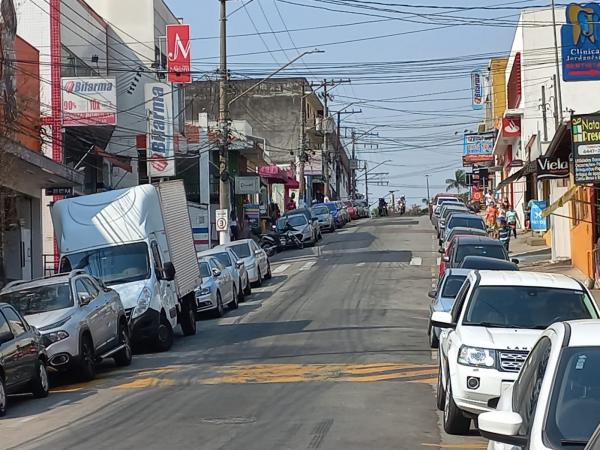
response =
{"points": [[409, 63]]}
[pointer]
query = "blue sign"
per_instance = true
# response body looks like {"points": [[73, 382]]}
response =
{"points": [[580, 39], [477, 89], [538, 223]]}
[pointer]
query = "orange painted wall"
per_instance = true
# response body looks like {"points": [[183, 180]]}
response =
{"points": [[28, 95], [582, 237]]}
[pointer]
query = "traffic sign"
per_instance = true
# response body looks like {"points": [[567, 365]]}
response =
{"points": [[222, 220]]}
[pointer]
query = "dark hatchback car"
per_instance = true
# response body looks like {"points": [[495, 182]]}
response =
{"points": [[486, 263], [22, 358], [464, 246]]}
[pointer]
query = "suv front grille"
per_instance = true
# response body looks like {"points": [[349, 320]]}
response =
{"points": [[512, 360], [128, 312]]}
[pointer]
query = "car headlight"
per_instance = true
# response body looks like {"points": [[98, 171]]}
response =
{"points": [[203, 291], [143, 303], [54, 325], [55, 336], [477, 357]]}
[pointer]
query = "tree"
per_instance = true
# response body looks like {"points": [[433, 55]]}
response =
{"points": [[425, 201], [459, 181]]}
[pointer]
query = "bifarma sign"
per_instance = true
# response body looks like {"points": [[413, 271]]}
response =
{"points": [[160, 150], [89, 101]]}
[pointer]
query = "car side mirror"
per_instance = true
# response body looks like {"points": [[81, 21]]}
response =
{"points": [[515, 260], [84, 298], [442, 319], [6, 337], [431, 294], [239, 264], [440, 242], [168, 271], [446, 259], [314, 219], [442, 251], [257, 252], [502, 426], [216, 273]]}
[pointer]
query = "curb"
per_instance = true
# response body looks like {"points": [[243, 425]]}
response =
{"points": [[532, 252]]}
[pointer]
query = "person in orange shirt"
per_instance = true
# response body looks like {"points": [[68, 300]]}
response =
{"points": [[491, 217]]}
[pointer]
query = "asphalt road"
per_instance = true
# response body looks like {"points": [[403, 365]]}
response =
{"points": [[331, 354]]}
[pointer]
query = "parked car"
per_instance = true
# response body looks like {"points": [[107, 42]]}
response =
{"points": [[302, 228], [443, 299], [363, 208], [462, 220], [555, 402], [311, 221], [463, 231], [217, 289], [495, 320], [23, 358], [255, 259], [80, 319], [338, 215], [446, 212], [486, 263], [324, 217], [343, 211], [235, 267], [464, 246], [352, 210], [437, 207]]}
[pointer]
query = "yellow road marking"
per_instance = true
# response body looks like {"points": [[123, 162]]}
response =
{"points": [[481, 445], [431, 381], [147, 383]]}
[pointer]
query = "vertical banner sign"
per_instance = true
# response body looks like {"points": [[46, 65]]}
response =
{"points": [[160, 150], [477, 89], [585, 132], [179, 58], [538, 223], [580, 42]]}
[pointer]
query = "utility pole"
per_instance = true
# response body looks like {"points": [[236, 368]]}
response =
{"points": [[325, 153], [302, 158], [557, 63], [544, 115], [393, 200], [353, 168], [224, 188], [556, 107], [366, 183], [428, 193]]}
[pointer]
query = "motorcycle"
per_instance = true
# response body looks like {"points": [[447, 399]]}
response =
{"points": [[269, 243], [293, 240]]}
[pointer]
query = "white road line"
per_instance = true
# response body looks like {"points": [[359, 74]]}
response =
{"points": [[416, 261], [307, 266], [281, 268], [438, 260], [360, 264]]}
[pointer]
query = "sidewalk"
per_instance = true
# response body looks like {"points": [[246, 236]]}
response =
{"points": [[522, 244]]}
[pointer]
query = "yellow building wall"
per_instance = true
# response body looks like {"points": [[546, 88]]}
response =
{"points": [[582, 233], [498, 88]]}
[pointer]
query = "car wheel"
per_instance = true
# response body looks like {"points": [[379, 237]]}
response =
{"points": [[220, 311], [258, 282], [3, 399], [234, 299], [164, 335], [240, 295], [39, 383], [248, 289], [434, 342], [440, 394], [269, 275], [123, 357], [454, 421], [87, 363], [332, 228]]}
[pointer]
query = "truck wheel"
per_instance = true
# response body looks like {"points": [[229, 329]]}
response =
{"points": [[3, 399], [39, 382], [188, 318], [123, 357], [454, 421], [164, 335], [87, 363]]}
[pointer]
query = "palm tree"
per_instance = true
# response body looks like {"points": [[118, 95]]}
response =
{"points": [[459, 181], [425, 201]]}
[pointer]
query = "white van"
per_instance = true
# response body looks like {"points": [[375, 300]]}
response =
{"points": [[139, 242]]}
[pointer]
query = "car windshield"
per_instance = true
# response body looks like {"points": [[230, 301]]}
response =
{"points": [[297, 220], [241, 250], [320, 210], [39, 299], [491, 251], [466, 222], [526, 307], [223, 258], [113, 265], [331, 207], [574, 411], [204, 269], [452, 285]]}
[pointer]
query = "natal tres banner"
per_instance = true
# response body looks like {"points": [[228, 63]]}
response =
{"points": [[161, 149], [585, 131], [478, 148], [580, 38]]}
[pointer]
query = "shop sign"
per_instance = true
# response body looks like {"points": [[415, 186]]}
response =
{"points": [[585, 132], [580, 42], [478, 148], [89, 101], [511, 127], [161, 149], [247, 185], [59, 191], [551, 168], [538, 222], [179, 58], [477, 89]]}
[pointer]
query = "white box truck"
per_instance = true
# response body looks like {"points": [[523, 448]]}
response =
{"points": [[139, 242]]}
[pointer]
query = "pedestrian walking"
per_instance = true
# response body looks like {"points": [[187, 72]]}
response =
{"points": [[291, 204], [504, 232], [491, 217], [233, 226], [512, 219]]}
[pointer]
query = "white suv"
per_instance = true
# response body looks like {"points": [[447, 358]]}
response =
{"points": [[495, 320]]}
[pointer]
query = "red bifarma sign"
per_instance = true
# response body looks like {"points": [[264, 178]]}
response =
{"points": [[179, 58]]}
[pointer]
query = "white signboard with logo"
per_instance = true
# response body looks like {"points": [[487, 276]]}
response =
{"points": [[89, 101], [160, 145], [247, 185]]}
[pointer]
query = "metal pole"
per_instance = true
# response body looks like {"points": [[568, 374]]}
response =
{"points": [[338, 156], [325, 151], [224, 202], [428, 194], [556, 107], [302, 190], [557, 62], [544, 115], [366, 184], [354, 166]]}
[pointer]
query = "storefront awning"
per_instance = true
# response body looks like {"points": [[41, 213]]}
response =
{"points": [[522, 172], [564, 199], [33, 171], [273, 174]]}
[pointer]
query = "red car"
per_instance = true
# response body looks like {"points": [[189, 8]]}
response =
{"points": [[352, 210]]}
